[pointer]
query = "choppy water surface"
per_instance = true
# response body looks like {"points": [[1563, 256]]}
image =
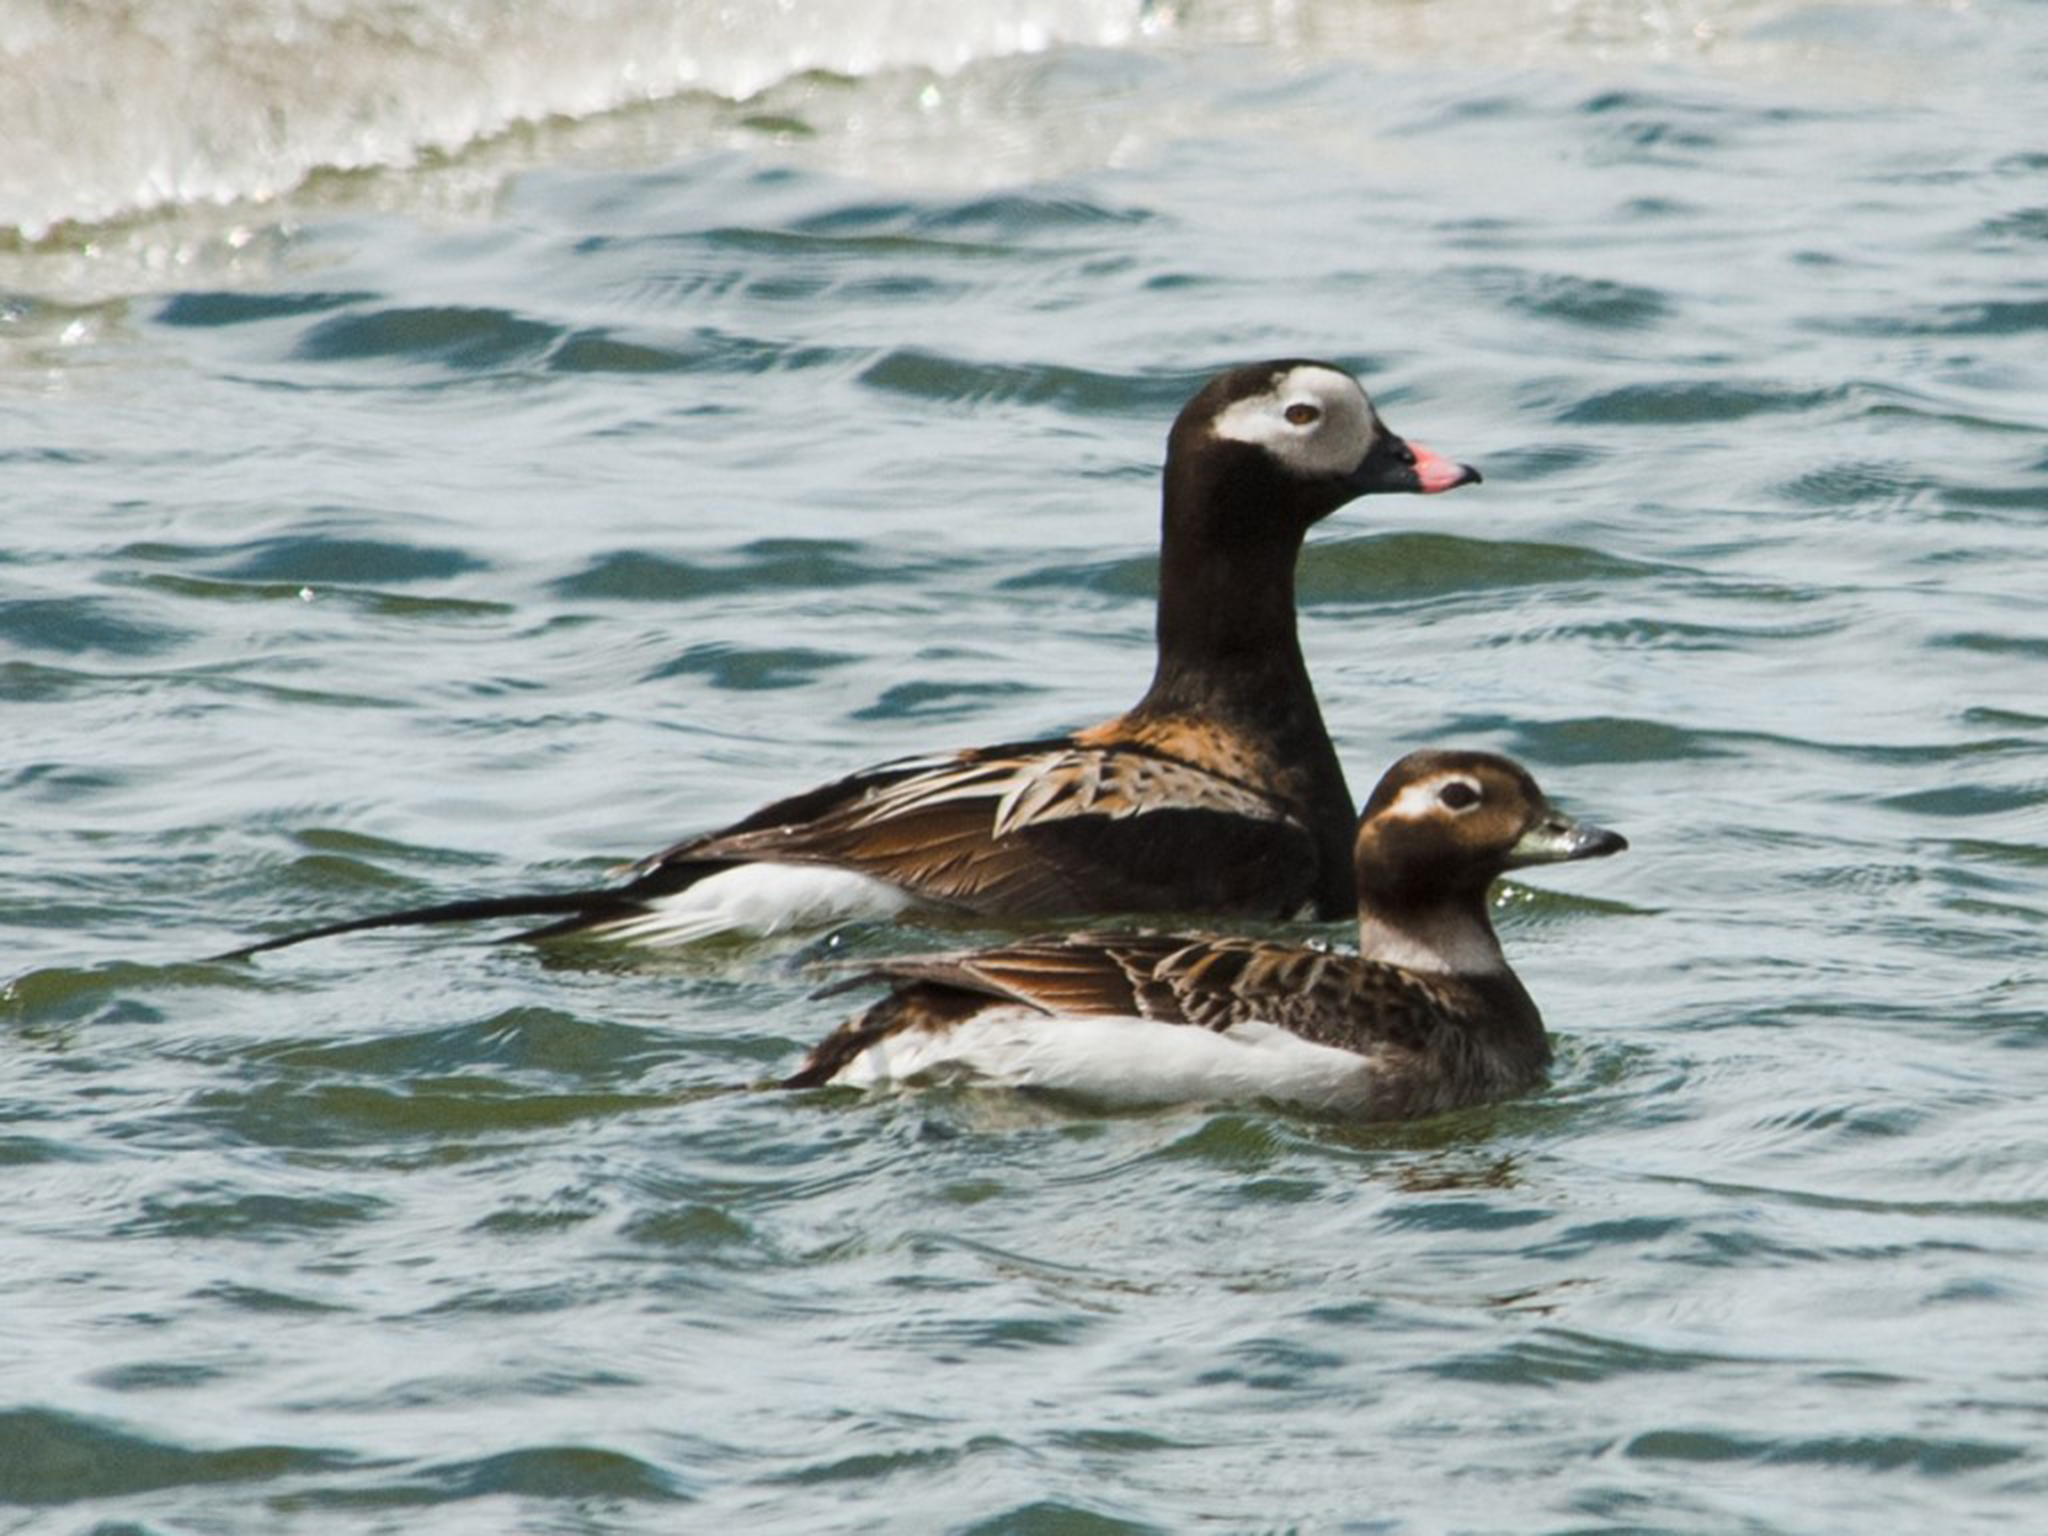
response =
{"points": [[388, 535]]}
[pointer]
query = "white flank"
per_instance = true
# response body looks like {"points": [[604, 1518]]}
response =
{"points": [[1118, 1060], [756, 900]]}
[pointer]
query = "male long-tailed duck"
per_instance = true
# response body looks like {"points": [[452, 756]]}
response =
{"points": [[1426, 1018], [1219, 793]]}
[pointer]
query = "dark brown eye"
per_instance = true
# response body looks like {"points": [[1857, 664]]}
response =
{"points": [[1459, 795], [1301, 415]]}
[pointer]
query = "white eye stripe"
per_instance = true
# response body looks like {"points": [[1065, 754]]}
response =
{"points": [[1314, 420], [1431, 797]]}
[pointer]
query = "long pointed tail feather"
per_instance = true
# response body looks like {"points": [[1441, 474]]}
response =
{"points": [[572, 907]]}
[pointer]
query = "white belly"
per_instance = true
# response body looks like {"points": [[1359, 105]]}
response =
{"points": [[1119, 1060], [756, 900]]}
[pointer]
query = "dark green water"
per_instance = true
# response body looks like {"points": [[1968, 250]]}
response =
{"points": [[475, 527]]}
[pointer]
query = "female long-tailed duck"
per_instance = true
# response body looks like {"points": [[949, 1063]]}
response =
{"points": [[1426, 1018], [1219, 793]]}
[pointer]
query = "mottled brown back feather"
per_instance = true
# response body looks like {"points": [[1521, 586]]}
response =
{"points": [[1045, 830], [1439, 1041]]}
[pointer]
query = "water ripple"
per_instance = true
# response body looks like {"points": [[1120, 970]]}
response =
{"points": [[927, 376], [455, 529], [232, 308], [1929, 1456], [56, 1458], [762, 565], [467, 339], [1592, 303], [1689, 402]]}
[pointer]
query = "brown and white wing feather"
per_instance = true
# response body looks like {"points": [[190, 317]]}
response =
{"points": [[1041, 830], [1364, 1007], [1328, 998], [1213, 983]]}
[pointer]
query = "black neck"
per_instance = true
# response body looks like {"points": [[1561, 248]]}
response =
{"points": [[1229, 649], [1227, 625], [1227, 551]]}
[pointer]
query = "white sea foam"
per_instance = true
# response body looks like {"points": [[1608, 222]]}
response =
{"points": [[110, 109], [130, 108]]}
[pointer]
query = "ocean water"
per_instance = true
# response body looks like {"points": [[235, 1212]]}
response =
{"points": [[450, 452]]}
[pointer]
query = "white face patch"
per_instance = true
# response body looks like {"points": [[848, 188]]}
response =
{"points": [[1315, 421], [1437, 795]]}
